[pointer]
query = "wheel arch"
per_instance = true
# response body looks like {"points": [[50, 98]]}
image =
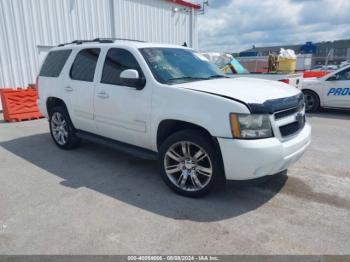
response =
{"points": [[168, 127], [52, 102], [315, 93]]}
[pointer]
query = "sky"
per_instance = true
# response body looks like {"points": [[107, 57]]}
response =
{"points": [[236, 25]]}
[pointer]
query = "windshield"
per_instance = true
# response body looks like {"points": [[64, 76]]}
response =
{"points": [[177, 65]]}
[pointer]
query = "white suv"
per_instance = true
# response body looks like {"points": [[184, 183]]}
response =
{"points": [[169, 102]]}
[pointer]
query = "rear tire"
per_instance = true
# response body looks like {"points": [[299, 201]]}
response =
{"points": [[61, 129], [312, 101], [190, 164]]}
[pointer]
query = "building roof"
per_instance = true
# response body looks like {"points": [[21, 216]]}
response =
{"points": [[337, 43], [186, 4], [268, 48]]}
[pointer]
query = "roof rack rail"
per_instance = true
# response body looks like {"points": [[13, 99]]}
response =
{"points": [[79, 42], [101, 40], [118, 39]]}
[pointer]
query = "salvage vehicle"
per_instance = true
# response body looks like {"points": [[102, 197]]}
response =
{"points": [[168, 103], [331, 90], [233, 68]]}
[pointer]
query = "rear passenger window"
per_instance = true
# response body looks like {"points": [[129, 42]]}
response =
{"points": [[84, 65], [118, 60], [54, 63]]}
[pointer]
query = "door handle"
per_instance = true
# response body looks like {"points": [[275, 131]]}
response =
{"points": [[68, 89], [102, 94]]}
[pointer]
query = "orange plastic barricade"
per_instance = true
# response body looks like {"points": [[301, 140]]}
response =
{"points": [[20, 104]]}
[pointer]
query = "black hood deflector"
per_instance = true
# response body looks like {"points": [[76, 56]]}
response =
{"points": [[275, 105], [269, 106]]}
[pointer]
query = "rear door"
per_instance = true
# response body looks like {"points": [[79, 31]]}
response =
{"points": [[79, 89], [336, 90], [122, 112]]}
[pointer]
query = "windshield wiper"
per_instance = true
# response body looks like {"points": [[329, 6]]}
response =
{"points": [[191, 78], [186, 78], [217, 76]]}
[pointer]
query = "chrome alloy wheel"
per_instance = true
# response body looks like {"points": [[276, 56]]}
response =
{"points": [[59, 128], [188, 166]]}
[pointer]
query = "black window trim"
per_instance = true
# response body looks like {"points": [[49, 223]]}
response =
{"points": [[141, 73], [72, 64], [64, 64]]}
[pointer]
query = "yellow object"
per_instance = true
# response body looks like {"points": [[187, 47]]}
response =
{"points": [[226, 69], [236, 132], [285, 65]]}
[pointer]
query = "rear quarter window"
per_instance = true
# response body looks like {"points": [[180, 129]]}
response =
{"points": [[54, 63]]}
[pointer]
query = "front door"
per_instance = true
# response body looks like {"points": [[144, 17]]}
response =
{"points": [[122, 112], [336, 91]]}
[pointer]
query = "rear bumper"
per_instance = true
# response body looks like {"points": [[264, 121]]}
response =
{"points": [[249, 159], [42, 107]]}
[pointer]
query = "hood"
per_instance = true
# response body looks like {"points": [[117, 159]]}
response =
{"points": [[245, 89], [312, 81]]}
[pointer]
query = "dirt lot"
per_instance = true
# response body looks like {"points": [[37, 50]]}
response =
{"points": [[94, 200]]}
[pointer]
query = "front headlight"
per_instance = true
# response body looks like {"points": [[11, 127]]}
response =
{"points": [[247, 126]]}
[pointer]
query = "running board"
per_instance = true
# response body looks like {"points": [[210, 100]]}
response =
{"points": [[119, 146]]}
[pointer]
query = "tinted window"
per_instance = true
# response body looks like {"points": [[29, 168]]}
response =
{"points": [[344, 75], [84, 65], [118, 60], [54, 63]]}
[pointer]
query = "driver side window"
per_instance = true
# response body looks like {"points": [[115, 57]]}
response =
{"points": [[118, 60], [341, 76]]}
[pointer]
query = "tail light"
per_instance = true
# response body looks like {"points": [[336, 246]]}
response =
{"points": [[36, 82], [37, 85], [286, 81]]}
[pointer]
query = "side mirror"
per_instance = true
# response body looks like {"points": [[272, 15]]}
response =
{"points": [[131, 77], [333, 78]]}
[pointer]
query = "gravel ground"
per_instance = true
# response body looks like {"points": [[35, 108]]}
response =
{"points": [[94, 200]]}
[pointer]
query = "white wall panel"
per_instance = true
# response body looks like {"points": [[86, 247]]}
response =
{"points": [[26, 25], [153, 21]]}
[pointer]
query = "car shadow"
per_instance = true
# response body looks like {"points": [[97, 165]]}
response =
{"points": [[342, 114], [137, 182]]}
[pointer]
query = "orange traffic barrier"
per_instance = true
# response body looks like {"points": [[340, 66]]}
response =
{"points": [[4, 89], [19, 104]]}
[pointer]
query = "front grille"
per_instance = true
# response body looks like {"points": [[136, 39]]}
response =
{"points": [[292, 128], [286, 113]]}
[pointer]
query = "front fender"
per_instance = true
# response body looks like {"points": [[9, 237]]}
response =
{"points": [[205, 110]]}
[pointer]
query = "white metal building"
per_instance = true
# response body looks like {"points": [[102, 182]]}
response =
{"points": [[29, 28]]}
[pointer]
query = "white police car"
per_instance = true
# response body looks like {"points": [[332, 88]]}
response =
{"points": [[331, 90]]}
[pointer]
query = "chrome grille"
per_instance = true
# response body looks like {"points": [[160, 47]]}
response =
{"points": [[286, 113], [291, 120]]}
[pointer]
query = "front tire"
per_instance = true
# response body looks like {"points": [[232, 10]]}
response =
{"points": [[189, 163], [62, 130], [312, 101]]}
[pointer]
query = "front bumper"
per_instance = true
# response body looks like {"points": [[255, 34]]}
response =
{"points": [[249, 159]]}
